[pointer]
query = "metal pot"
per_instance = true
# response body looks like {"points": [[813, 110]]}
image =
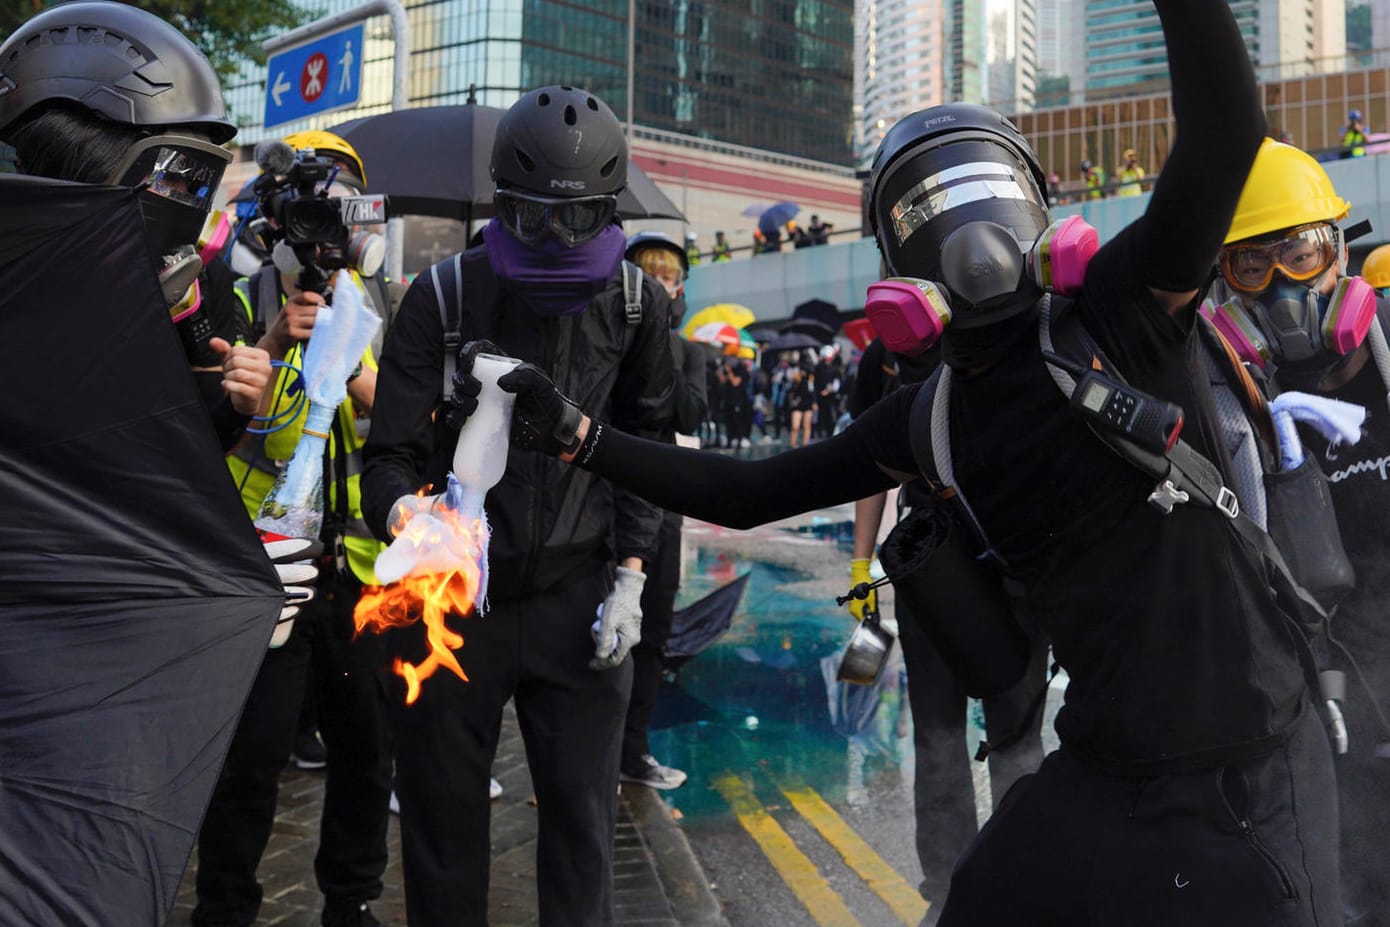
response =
{"points": [[866, 652]]}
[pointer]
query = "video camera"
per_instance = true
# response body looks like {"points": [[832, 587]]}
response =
{"points": [[293, 195]]}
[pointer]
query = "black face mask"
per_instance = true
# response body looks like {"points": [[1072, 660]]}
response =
{"points": [[981, 347]]}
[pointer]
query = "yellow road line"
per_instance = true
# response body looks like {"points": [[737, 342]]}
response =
{"points": [[795, 868], [885, 881]]}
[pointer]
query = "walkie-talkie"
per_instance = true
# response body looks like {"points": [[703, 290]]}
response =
{"points": [[1119, 408]]}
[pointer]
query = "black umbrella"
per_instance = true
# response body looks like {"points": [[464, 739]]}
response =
{"points": [[433, 161], [792, 341], [701, 623], [137, 601], [819, 311]]}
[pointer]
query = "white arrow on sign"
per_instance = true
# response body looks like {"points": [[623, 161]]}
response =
{"points": [[279, 87]]}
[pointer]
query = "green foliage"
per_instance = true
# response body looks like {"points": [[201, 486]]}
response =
{"points": [[228, 31]]}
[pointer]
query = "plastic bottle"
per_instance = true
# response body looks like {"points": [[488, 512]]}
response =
{"points": [[480, 456]]}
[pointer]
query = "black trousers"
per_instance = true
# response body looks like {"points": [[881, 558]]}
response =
{"points": [[1246, 845], [536, 650], [943, 790], [351, 712], [658, 609]]}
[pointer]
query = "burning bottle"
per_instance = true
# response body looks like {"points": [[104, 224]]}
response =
{"points": [[437, 564]]}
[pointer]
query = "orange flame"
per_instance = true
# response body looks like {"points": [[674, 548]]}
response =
{"points": [[430, 596]]}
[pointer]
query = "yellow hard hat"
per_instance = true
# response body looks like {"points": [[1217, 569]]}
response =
{"points": [[1375, 270], [331, 145], [1286, 188]]}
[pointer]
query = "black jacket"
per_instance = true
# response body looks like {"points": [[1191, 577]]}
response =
{"points": [[548, 519]]}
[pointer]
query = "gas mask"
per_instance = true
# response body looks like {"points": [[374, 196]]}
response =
{"points": [[981, 263], [1268, 306]]}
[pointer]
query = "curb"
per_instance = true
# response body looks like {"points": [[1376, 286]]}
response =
{"points": [[687, 887]]}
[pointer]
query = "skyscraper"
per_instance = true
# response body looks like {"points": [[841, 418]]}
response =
{"points": [[899, 65], [774, 75]]}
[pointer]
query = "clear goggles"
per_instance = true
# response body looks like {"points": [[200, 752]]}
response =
{"points": [[1300, 255], [183, 170], [572, 219]]}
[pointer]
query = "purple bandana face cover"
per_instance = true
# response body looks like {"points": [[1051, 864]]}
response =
{"points": [[550, 278]]}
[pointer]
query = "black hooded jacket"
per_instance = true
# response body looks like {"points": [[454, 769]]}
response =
{"points": [[548, 520]]}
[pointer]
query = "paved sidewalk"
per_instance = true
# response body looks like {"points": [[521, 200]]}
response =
{"points": [[659, 882]]}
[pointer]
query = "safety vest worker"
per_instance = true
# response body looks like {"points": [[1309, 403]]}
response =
{"points": [[257, 462], [1095, 180], [1131, 177]]}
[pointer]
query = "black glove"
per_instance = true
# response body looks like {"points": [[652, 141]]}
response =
{"points": [[463, 401], [543, 419]]}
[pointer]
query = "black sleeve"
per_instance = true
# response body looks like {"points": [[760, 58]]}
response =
{"points": [[741, 493], [229, 423], [408, 390], [868, 383], [642, 402], [1220, 125], [691, 402]]}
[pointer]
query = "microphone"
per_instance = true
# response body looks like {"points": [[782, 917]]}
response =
{"points": [[274, 157]]}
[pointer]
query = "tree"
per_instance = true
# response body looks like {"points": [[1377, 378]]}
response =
{"points": [[228, 31]]}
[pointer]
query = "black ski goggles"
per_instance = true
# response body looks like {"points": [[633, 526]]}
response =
{"points": [[572, 219]]}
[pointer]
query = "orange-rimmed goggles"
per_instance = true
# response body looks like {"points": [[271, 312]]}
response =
{"points": [[1301, 254]]}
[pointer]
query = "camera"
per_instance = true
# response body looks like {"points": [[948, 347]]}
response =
{"points": [[294, 198]]}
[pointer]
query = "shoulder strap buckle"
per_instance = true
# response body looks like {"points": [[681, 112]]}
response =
{"points": [[1166, 495], [1227, 502], [632, 293]]}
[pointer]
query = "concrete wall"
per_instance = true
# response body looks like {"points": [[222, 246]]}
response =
{"points": [[772, 284]]}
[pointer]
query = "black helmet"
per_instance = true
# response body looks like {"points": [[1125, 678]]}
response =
{"points": [[117, 61], [560, 141], [657, 239], [945, 168]]}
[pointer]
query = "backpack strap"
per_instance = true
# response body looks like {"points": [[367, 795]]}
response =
{"points": [[450, 318], [265, 300], [1380, 350]]}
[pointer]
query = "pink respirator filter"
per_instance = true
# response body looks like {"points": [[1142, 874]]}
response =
{"points": [[908, 314]]}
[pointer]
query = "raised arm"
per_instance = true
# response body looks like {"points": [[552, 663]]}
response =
{"points": [[1220, 123]]}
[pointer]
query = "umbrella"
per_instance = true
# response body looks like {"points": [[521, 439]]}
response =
{"points": [[753, 210], [716, 333], [137, 602], [774, 217], [732, 313], [701, 623], [747, 347], [818, 310], [791, 341], [449, 176], [860, 331]]}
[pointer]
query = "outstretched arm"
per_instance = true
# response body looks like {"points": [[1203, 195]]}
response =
{"points": [[734, 492], [1220, 124]]}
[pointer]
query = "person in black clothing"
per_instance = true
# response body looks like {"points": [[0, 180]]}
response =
{"points": [[665, 260], [738, 402], [943, 792], [1194, 782], [549, 285], [828, 382]]}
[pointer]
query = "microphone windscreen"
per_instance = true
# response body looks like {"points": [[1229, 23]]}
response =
{"points": [[274, 156]]}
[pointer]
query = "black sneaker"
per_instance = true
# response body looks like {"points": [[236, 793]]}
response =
{"points": [[308, 752], [652, 774], [357, 914]]}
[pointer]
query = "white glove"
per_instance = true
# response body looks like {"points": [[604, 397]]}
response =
{"points": [[406, 508], [619, 625], [293, 560]]}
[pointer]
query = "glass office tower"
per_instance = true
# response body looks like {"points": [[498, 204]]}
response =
{"points": [[769, 74]]}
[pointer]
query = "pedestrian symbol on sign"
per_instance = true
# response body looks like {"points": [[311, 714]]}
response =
{"points": [[314, 78]]}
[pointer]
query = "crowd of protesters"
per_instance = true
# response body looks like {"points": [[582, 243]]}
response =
{"points": [[788, 398]]}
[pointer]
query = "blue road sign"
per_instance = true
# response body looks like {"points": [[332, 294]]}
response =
{"points": [[319, 76]]}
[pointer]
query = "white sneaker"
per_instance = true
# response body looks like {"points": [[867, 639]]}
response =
{"points": [[653, 775]]}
